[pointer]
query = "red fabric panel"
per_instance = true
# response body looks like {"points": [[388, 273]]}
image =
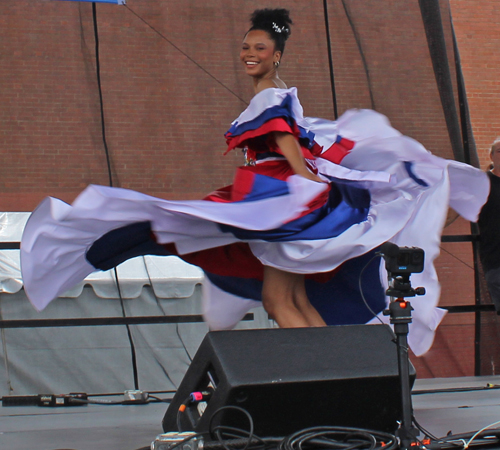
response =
{"points": [[270, 126], [335, 153]]}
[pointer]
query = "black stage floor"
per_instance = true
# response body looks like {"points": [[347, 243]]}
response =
{"points": [[458, 405]]}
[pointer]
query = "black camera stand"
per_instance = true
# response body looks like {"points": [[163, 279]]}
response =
{"points": [[400, 316]]}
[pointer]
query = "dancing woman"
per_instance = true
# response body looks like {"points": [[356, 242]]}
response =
{"points": [[300, 223], [284, 295]]}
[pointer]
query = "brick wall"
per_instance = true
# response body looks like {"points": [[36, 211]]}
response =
{"points": [[475, 25], [164, 114]]}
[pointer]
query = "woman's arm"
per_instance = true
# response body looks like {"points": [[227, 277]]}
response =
{"points": [[291, 151]]}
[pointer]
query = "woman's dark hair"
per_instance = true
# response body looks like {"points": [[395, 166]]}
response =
{"points": [[276, 22]]}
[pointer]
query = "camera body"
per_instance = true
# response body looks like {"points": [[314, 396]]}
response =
{"points": [[404, 260]]}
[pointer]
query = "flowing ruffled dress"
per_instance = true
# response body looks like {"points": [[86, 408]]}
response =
{"points": [[382, 186]]}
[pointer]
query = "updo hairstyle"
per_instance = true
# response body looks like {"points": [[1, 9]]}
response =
{"points": [[276, 22]]}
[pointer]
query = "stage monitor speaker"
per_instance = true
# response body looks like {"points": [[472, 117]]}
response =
{"points": [[291, 379]]}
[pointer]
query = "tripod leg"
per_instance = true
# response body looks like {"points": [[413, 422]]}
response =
{"points": [[407, 433]]}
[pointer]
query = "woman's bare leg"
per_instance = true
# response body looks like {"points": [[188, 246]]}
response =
{"points": [[304, 305], [284, 298]]}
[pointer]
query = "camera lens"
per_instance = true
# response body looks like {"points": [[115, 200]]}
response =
{"points": [[417, 257]]}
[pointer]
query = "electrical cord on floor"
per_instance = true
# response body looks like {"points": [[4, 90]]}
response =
{"points": [[481, 439], [489, 386], [232, 432], [311, 438], [429, 438], [224, 437], [149, 399], [485, 437], [330, 437], [130, 397], [325, 437], [159, 399]]}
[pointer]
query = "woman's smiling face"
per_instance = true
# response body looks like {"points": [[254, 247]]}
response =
{"points": [[258, 54]]}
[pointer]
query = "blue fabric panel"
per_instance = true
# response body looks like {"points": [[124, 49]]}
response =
{"points": [[266, 187], [123, 243], [339, 301], [306, 137], [347, 205], [284, 110]]}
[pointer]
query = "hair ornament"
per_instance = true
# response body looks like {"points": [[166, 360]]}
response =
{"points": [[279, 29], [274, 21]]}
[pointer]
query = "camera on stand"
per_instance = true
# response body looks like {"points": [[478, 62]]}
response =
{"points": [[403, 259], [400, 263]]}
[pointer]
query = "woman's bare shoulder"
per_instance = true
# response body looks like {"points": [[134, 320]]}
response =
{"points": [[270, 84]]}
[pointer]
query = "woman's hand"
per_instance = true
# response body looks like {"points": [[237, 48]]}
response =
{"points": [[311, 176], [291, 151]]}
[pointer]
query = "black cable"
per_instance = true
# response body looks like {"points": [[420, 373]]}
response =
{"points": [[180, 411], [426, 433], [326, 437], [483, 438], [182, 342], [330, 58], [160, 307], [98, 72], [235, 435], [256, 443], [164, 315], [219, 429], [110, 176], [162, 400], [186, 55], [89, 401], [360, 287], [455, 390], [361, 53], [456, 257], [129, 334], [339, 438]]}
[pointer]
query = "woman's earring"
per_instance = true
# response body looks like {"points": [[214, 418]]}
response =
{"points": [[276, 64]]}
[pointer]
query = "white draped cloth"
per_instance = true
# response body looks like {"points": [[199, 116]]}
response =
{"points": [[410, 191]]}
